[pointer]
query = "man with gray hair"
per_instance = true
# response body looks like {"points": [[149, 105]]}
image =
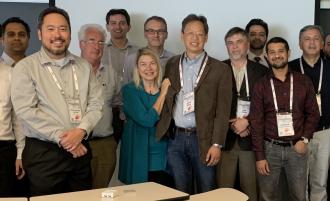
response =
{"points": [[318, 70], [103, 144]]}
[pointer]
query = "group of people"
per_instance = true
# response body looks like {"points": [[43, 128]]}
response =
{"points": [[255, 121]]}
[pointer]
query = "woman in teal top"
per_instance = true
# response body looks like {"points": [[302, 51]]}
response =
{"points": [[142, 157]]}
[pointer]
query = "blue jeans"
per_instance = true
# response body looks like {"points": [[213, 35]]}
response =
{"points": [[186, 166], [295, 167]]}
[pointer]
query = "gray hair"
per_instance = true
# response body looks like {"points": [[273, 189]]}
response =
{"points": [[311, 27], [83, 30]]}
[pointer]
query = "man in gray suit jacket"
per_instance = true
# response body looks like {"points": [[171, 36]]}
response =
{"points": [[196, 110]]}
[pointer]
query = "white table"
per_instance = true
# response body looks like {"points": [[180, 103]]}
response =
{"points": [[148, 191], [220, 194]]}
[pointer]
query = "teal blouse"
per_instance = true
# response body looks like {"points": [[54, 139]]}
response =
{"points": [[140, 152]]}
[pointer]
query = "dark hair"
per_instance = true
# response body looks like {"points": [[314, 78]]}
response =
{"points": [[259, 22], [51, 10], [118, 12], [156, 18], [0, 31], [236, 30], [15, 20], [311, 27], [278, 40], [194, 17]]}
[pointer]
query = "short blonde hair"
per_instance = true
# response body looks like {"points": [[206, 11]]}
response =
{"points": [[136, 77]]}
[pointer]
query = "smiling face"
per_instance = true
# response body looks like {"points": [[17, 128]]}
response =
{"points": [[311, 42], [147, 68], [55, 35], [118, 26], [194, 38], [278, 55], [92, 46]]}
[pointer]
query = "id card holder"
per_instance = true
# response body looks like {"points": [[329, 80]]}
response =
{"points": [[243, 108], [74, 110], [284, 124], [318, 100], [188, 103]]}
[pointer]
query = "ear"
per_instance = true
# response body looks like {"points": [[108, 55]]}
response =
{"points": [[39, 34], [289, 54]]}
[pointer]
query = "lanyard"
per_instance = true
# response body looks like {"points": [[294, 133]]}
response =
{"points": [[76, 86], [274, 94], [246, 83], [321, 74], [200, 72]]}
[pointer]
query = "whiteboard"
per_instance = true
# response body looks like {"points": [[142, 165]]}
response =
{"points": [[284, 17]]}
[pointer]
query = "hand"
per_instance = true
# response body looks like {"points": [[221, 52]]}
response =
{"points": [[245, 133], [79, 151], [240, 125], [19, 169], [213, 156], [300, 147], [165, 84], [263, 167], [70, 139]]}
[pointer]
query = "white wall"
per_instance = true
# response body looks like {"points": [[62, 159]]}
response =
{"points": [[284, 17]]}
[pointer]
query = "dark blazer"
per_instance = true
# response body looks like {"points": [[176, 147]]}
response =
{"points": [[212, 103], [254, 71]]}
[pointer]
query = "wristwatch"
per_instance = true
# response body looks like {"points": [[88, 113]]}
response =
{"points": [[305, 140]]}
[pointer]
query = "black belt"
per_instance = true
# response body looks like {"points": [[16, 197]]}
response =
{"points": [[6, 142], [281, 143], [186, 130]]}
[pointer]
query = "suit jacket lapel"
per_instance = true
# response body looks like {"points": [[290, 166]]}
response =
{"points": [[206, 70]]}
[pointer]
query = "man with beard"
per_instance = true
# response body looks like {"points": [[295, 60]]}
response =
{"points": [[283, 116], [118, 23], [258, 33], [318, 70], [326, 48], [237, 159], [58, 101], [16, 35]]}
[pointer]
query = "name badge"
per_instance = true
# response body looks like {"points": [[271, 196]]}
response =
{"points": [[188, 103], [74, 110], [318, 100], [243, 108], [284, 124]]}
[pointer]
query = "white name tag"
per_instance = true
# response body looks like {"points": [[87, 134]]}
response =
{"points": [[318, 100], [243, 108], [74, 110], [188, 103], [284, 124]]}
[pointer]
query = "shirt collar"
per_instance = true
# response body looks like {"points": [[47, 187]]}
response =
{"points": [[128, 44], [7, 59], [196, 59], [318, 63], [270, 73], [45, 59]]}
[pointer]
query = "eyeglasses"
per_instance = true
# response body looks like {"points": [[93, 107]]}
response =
{"points": [[153, 31], [94, 42]]}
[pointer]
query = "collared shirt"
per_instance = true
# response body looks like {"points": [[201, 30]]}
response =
{"points": [[106, 77], [39, 103], [262, 57], [313, 72], [116, 58], [9, 125], [239, 76], [190, 70], [305, 111], [7, 59], [130, 64]]}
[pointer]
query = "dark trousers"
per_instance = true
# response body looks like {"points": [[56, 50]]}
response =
{"points": [[117, 124], [51, 169], [161, 177], [7, 168]]}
